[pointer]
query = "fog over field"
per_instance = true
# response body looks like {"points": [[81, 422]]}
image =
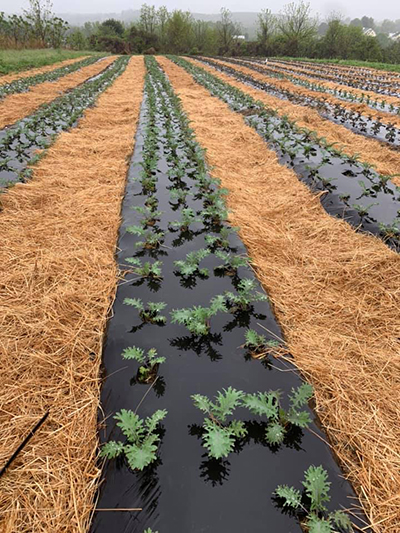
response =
{"points": [[357, 8]]}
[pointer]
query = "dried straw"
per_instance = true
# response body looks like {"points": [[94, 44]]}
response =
{"points": [[336, 294], [8, 78], [386, 160], [57, 282], [17, 106]]}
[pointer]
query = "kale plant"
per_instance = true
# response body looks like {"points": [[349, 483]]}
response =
{"points": [[190, 265], [188, 217], [245, 296], [257, 344], [149, 312], [219, 435], [316, 488], [142, 439], [231, 262], [197, 318], [279, 421], [151, 238], [148, 362], [221, 239], [147, 269]]}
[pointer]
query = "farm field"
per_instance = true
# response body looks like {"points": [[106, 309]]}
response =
{"points": [[199, 286]]}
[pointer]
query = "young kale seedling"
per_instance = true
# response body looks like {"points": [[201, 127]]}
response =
{"points": [[141, 448], [149, 312], [231, 262], [188, 217], [245, 296], [147, 269], [316, 488], [190, 265], [150, 215], [258, 345], [279, 421], [221, 239], [219, 434], [148, 362], [197, 318], [152, 239]]}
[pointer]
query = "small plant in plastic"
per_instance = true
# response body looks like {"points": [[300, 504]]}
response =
{"points": [[197, 318], [230, 262], [190, 265], [221, 239], [148, 362], [316, 489], [141, 436], [219, 434], [188, 217], [146, 269], [267, 404], [257, 344], [245, 296], [151, 238], [149, 312]]}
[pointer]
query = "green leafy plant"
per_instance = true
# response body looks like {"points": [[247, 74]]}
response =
{"points": [[219, 435], [149, 312], [221, 239], [188, 217], [245, 296], [267, 404], [152, 238], [142, 439], [258, 345], [316, 488], [148, 362], [150, 215], [231, 262], [197, 318], [190, 265], [147, 269]]}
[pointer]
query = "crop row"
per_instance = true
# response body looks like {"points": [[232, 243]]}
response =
{"points": [[364, 197], [24, 84], [193, 219], [360, 82], [353, 120], [19, 142], [342, 94]]}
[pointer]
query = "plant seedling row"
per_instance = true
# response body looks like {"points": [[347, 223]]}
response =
{"points": [[353, 190], [379, 86], [211, 340], [24, 84], [342, 94], [18, 143], [354, 121]]}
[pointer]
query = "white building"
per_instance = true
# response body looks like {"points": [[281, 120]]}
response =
{"points": [[369, 32], [394, 36], [239, 37]]}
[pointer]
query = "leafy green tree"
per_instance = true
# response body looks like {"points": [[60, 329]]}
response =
{"points": [[179, 32], [226, 29], [266, 30]]}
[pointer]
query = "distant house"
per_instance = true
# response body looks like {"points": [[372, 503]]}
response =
{"points": [[395, 36], [369, 32], [239, 37]]}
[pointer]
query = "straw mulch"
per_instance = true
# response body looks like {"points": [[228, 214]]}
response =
{"points": [[8, 78], [17, 106], [386, 118], [336, 294], [57, 281], [385, 160]]}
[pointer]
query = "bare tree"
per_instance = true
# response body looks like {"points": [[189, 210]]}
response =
{"points": [[227, 29], [266, 28], [297, 26]]}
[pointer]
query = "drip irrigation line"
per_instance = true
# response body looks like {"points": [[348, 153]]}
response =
{"points": [[24, 443]]}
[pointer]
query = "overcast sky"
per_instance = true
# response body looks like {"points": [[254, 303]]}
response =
{"points": [[355, 8]]}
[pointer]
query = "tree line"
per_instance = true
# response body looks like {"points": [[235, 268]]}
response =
{"points": [[292, 32]]}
